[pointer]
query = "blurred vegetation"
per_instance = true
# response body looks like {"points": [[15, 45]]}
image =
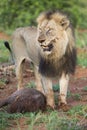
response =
{"points": [[16, 13], [74, 119]]}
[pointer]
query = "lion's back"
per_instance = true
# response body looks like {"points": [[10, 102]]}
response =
{"points": [[24, 44]]}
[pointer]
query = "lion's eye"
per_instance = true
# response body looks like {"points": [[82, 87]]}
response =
{"points": [[62, 24], [40, 30], [48, 31]]}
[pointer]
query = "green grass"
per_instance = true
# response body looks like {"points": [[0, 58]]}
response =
{"points": [[31, 84], [85, 88], [55, 87], [5, 119], [4, 54], [76, 96], [81, 42], [51, 120], [81, 39], [78, 111], [2, 82], [82, 60]]}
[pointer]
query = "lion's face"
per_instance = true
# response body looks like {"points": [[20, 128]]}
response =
{"points": [[52, 36]]}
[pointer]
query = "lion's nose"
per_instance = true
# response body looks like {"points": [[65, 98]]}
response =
{"points": [[41, 40]]}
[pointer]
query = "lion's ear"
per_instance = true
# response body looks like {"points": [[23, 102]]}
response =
{"points": [[65, 23]]}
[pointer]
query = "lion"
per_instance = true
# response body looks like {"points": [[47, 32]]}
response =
{"points": [[51, 48]]}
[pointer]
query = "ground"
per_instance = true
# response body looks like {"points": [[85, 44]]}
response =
{"points": [[77, 92], [77, 85]]}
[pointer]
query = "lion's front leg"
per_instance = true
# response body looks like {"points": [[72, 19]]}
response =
{"points": [[44, 85], [63, 82], [47, 85]]}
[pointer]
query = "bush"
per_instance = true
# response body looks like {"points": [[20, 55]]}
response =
{"points": [[16, 13]]}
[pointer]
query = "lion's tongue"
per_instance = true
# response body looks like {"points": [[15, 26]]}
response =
{"points": [[47, 48]]}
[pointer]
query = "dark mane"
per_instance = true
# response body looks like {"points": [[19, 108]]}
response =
{"points": [[53, 68], [49, 13]]}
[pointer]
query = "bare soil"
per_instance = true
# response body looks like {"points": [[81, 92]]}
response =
{"points": [[77, 85], [4, 36]]}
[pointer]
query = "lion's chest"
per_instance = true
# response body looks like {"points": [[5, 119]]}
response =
{"points": [[51, 68], [55, 67]]}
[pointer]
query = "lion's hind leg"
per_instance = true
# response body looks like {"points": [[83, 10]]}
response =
{"points": [[38, 78], [19, 73]]}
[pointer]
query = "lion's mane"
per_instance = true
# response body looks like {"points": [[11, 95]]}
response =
{"points": [[53, 65]]}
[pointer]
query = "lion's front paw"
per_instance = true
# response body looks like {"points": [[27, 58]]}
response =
{"points": [[64, 107], [51, 104]]}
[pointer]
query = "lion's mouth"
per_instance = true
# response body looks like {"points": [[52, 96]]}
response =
{"points": [[47, 48]]}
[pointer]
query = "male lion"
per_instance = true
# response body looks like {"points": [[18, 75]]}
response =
{"points": [[51, 48]]}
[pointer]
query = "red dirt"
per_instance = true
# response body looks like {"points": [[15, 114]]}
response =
{"points": [[4, 36], [77, 82], [76, 87]]}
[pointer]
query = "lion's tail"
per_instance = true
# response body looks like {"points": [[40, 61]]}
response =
{"points": [[7, 46], [6, 43]]}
